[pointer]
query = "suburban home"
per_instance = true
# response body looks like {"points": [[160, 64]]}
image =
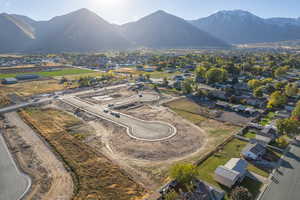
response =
{"points": [[201, 191], [254, 150], [234, 171]]}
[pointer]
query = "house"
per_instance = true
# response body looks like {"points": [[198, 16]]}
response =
{"points": [[234, 171], [9, 81], [255, 102], [254, 150], [267, 134]]}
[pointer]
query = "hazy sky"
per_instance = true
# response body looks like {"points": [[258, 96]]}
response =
{"points": [[122, 11]]}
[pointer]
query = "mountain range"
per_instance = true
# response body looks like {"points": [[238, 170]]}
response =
{"points": [[85, 31], [240, 27]]}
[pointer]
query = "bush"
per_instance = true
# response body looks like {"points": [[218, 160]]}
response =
{"points": [[241, 193]]}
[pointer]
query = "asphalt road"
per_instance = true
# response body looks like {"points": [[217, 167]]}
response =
{"points": [[136, 128], [286, 183], [13, 183]]}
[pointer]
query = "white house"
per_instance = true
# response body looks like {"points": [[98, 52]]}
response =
{"points": [[232, 172]]}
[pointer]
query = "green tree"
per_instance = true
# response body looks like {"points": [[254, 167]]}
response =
{"points": [[291, 89], [296, 112], [171, 195], [281, 71], [200, 73], [165, 82], [288, 126], [277, 99], [241, 193], [259, 92], [187, 86], [215, 75], [282, 142], [254, 83], [184, 173]]}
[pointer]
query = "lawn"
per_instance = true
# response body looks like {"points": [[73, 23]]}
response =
{"points": [[95, 176], [231, 150], [62, 72], [250, 135], [267, 119]]}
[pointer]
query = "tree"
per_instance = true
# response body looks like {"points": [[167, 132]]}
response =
{"points": [[277, 99], [282, 142], [296, 112], [254, 83], [241, 193], [200, 72], [259, 92], [291, 89], [165, 82], [281, 71], [171, 195], [215, 75], [184, 173], [288, 126], [187, 86]]}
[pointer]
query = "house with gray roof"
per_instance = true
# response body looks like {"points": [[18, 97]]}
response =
{"points": [[234, 171], [254, 150]]}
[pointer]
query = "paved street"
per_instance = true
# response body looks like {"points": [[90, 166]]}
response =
{"points": [[138, 129], [286, 183], [13, 183]]}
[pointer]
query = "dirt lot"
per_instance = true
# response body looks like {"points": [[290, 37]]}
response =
{"points": [[190, 106], [97, 178], [217, 131], [50, 180]]}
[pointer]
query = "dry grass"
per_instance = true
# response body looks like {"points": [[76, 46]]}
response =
{"points": [[217, 131], [34, 87], [97, 177], [4, 100]]}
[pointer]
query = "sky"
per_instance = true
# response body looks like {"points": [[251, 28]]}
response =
{"points": [[123, 11]]}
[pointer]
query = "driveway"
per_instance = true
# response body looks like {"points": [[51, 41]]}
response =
{"points": [[13, 183], [285, 184]]}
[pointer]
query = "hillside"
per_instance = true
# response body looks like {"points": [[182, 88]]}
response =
{"points": [[163, 30], [238, 27]]}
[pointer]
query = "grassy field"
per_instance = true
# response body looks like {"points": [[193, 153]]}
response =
{"points": [[217, 131], [62, 72], [231, 150], [96, 177]]}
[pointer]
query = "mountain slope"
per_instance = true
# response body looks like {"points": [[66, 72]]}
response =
{"points": [[162, 30], [243, 27], [81, 30], [15, 35]]}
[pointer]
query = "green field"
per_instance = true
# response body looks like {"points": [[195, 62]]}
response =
{"points": [[62, 72]]}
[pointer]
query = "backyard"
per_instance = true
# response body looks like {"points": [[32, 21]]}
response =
{"points": [[230, 150]]}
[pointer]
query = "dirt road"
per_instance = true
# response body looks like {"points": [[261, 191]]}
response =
{"points": [[61, 181]]}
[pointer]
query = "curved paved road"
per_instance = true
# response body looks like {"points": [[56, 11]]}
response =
{"points": [[136, 128], [13, 183]]}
